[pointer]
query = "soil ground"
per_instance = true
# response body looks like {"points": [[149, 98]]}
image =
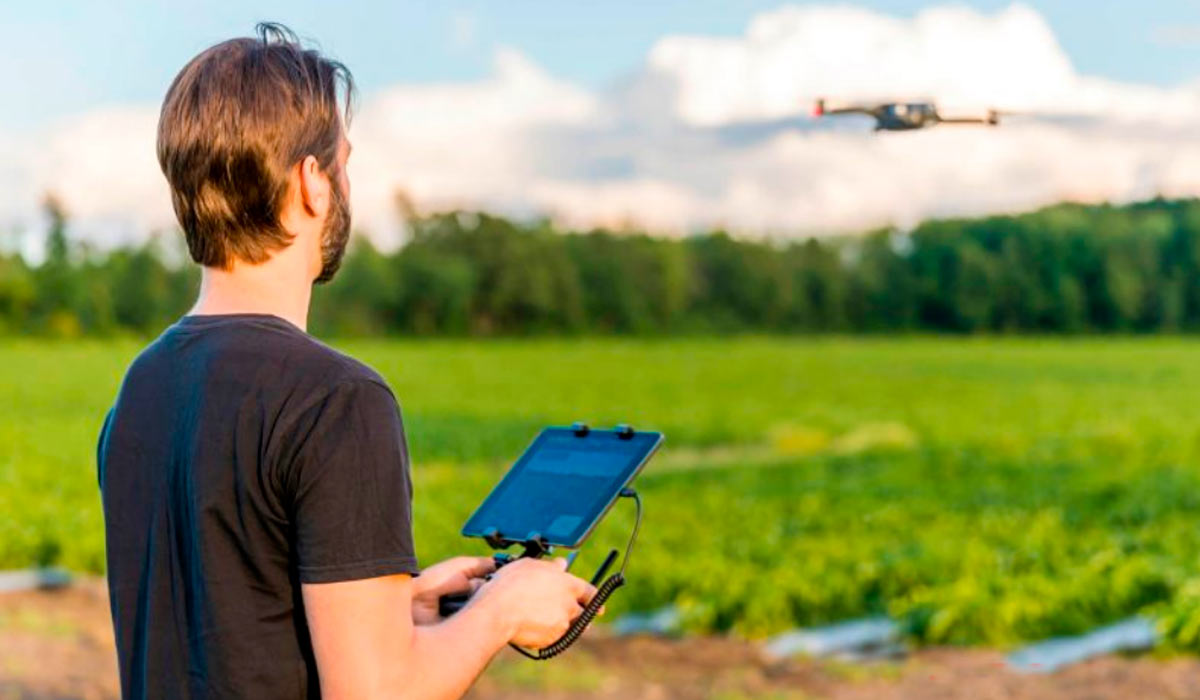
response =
{"points": [[58, 645]]}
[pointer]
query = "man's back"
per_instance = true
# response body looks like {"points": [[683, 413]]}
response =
{"points": [[242, 458]]}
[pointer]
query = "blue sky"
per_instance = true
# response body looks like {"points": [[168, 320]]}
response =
{"points": [[673, 115], [64, 58]]}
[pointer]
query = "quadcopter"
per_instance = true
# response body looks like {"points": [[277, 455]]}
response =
{"points": [[904, 116]]}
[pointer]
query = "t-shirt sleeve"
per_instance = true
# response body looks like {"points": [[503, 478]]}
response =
{"points": [[351, 490], [100, 447]]}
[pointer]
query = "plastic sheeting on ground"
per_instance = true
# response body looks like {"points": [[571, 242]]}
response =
{"points": [[664, 621], [855, 640], [1134, 634], [31, 579]]}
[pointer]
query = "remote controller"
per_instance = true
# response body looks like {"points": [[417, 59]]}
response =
{"points": [[593, 470], [452, 603]]}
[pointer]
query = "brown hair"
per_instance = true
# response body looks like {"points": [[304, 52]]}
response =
{"points": [[235, 121]]}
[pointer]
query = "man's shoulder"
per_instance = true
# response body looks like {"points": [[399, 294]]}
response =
{"points": [[341, 368], [254, 351], [328, 370], [304, 357]]}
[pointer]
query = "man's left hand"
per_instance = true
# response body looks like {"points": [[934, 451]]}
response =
{"points": [[457, 575]]}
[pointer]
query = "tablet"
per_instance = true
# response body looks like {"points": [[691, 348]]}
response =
{"points": [[562, 485]]}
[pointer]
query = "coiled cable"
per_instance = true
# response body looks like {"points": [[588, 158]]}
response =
{"points": [[592, 609]]}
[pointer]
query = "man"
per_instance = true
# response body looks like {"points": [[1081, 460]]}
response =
{"points": [[255, 482]]}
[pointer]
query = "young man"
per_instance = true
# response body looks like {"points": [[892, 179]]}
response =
{"points": [[256, 482]]}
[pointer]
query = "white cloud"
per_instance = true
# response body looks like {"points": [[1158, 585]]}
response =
{"points": [[100, 164], [451, 145], [1009, 60], [843, 181], [14, 180], [657, 205], [712, 131], [103, 167]]}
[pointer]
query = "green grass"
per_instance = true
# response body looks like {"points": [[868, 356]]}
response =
{"points": [[979, 490]]}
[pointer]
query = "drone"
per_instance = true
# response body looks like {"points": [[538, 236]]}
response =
{"points": [[904, 116]]}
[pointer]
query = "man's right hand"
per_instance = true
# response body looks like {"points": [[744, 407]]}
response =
{"points": [[538, 597]]}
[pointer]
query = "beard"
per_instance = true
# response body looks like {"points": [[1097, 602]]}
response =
{"points": [[334, 235]]}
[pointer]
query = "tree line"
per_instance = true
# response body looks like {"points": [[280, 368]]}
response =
{"points": [[1065, 269]]}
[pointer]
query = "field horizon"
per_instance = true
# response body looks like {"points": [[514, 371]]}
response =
{"points": [[978, 490]]}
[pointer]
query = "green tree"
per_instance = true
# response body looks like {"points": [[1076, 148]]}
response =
{"points": [[18, 293], [58, 285]]}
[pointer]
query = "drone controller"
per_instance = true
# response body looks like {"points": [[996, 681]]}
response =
{"points": [[554, 496]]}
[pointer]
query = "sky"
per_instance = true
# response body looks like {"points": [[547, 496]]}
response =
{"points": [[676, 114]]}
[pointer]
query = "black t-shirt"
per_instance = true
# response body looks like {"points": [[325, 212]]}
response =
{"points": [[241, 459]]}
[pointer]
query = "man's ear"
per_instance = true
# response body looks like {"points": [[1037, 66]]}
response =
{"points": [[314, 188]]}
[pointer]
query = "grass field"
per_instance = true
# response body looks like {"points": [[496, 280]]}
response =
{"points": [[979, 490]]}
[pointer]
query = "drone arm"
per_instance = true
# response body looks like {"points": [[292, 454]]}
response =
{"points": [[992, 119], [821, 109], [849, 110]]}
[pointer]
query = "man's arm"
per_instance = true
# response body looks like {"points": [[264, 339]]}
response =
{"points": [[452, 576], [367, 645]]}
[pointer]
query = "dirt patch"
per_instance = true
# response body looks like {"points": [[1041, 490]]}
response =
{"points": [[722, 669], [58, 645]]}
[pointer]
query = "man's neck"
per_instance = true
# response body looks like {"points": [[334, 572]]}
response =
{"points": [[274, 287]]}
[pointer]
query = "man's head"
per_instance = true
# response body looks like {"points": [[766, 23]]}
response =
{"points": [[252, 140]]}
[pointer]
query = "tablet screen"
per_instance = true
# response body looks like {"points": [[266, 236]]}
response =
{"points": [[562, 485]]}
